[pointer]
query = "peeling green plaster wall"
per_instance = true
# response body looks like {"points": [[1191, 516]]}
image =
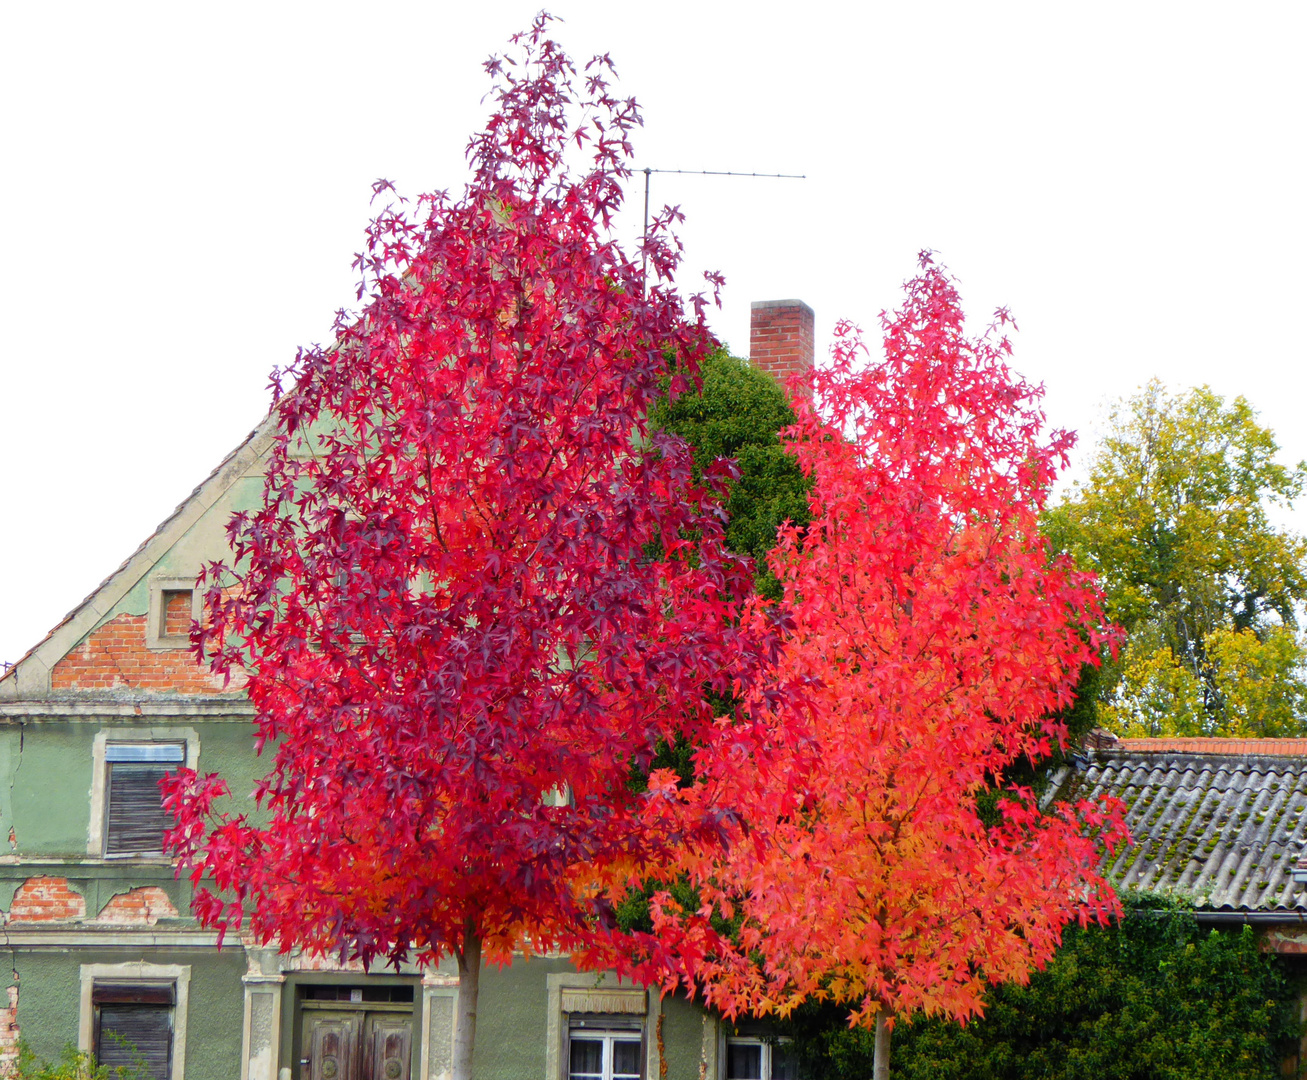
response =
{"points": [[50, 990], [10, 737], [50, 782], [45, 787], [228, 748], [682, 1037]]}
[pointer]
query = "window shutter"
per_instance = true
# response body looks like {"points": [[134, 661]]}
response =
{"points": [[134, 992], [136, 820], [132, 1033]]}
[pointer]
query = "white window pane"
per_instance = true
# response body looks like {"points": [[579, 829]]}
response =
{"points": [[626, 1059], [743, 1061], [586, 1058], [784, 1062]]}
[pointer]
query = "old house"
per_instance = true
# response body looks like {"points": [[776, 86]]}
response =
{"points": [[102, 946], [1219, 822]]}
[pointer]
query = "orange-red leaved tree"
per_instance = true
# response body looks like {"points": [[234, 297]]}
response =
{"points": [[930, 642]]}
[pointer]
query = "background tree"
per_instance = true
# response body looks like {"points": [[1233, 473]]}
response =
{"points": [[933, 639], [1175, 518], [480, 589], [1151, 997], [737, 412]]}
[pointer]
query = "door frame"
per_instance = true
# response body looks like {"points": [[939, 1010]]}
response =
{"points": [[295, 1006]]}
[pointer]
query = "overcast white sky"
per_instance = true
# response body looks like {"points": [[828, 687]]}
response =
{"points": [[183, 186]]}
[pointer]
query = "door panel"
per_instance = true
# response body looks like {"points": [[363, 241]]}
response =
{"points": [[333, 1042], [388, 1038]]}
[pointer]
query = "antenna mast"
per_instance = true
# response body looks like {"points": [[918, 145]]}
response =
{"points": [[644, 235]]}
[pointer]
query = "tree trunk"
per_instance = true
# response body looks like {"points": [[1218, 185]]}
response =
{"points": [[469, 981], [880, 1066]]}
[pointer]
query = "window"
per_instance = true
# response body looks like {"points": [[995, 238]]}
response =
{"points": [[594, 1054], [760, 1059], [596, 1027], [133, 1023], [174, 603], [145, 1005], [134, 818], [605, 1046]]}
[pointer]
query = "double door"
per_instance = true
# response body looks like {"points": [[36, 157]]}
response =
{"points": [[363, 1043]]}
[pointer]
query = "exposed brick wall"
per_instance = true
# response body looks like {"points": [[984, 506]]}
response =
{"points": [[46, 899], [115, 657], [781, 340], [176, 612], [1285, 940], [9, 1034], [140, 907]]}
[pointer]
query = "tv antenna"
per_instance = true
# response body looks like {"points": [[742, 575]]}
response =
{"points": [[644, 235]]}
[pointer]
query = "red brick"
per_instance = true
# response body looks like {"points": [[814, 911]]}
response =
{"points": [[781, 338], [140, 907], [115, 657], [9, 1033], [45, 899]]}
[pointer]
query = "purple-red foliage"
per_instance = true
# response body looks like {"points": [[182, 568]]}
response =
{"points": [[479, 590]]}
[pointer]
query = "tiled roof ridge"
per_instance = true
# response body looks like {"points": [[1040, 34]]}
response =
{"points": [[1210, 745]]}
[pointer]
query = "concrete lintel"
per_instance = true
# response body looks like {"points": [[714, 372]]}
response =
{"points": [[69, 937], [62, 709], [135, 870]]}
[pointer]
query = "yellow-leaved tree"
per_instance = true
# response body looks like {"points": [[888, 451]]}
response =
{"points": [[1176, 518]]}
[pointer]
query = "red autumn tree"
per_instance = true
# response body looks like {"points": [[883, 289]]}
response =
{"points": [[933, 640], [468, 607]]}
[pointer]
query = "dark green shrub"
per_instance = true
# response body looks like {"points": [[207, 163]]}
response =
{"points": [[1154, 997]]}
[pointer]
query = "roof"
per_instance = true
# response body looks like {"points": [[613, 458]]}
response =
{"points": [[1221, 747], [1218, 820], [72, 627]]}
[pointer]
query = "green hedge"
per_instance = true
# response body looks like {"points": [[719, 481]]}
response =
{"points": [[1154, 997]]}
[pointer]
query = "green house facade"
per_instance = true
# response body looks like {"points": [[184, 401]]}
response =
{"points": [[104, 951], [100, 928]]}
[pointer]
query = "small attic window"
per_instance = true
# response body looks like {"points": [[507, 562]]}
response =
{"points": [[173, 607], [176, 613]]}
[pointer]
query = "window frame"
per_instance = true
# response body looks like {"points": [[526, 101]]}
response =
{"points": [[155, 638], [97, 830], [768, 1043], [122, 759], [157, 996], [176, 976], [609, 1030], [598, 1001]]}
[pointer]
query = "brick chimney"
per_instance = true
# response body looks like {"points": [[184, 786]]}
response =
{"points": [[781, 338]]}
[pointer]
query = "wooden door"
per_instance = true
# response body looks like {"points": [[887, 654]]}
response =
{"points": [[332, 1046], [388, 1038]]}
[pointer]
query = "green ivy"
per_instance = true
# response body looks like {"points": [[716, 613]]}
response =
{"points": [[1153, 997]]}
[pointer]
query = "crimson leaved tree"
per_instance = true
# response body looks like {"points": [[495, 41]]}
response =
{"points": [[468, 607], [932, 640]]}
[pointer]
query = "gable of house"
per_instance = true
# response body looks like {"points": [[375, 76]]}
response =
{"points": [[129, 636]]}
